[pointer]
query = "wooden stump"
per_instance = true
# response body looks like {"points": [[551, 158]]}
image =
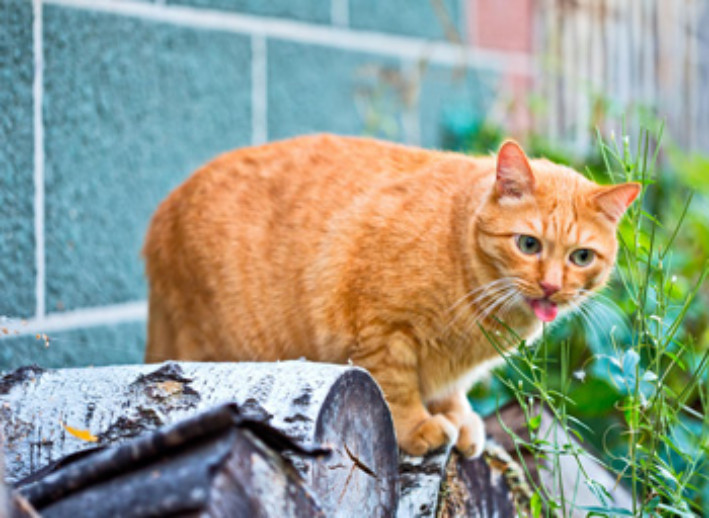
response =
{"points": [[12, 505], [215, 464], [311, 403], [4, 491], [444, 484]]}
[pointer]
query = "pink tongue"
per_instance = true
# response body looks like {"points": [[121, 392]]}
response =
{"points": [[545, 310]]}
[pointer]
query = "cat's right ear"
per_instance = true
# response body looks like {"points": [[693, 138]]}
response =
{"points": [[514, 174]]}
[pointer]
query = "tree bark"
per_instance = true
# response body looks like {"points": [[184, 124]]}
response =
{"points": [[311, 403], [444, 484], [12, 505], [216, 464]]}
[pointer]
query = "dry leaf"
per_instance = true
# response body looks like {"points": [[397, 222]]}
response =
{"points": [[84, 435]]}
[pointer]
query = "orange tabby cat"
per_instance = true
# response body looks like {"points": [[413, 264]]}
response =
{"points": [[349, 249]]}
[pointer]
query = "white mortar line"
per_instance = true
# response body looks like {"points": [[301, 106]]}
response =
{"points": [[310, 33], [80, 318], [259, 90], [340, 13], [38, 96]]}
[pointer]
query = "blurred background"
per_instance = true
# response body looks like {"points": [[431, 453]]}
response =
{"points": [[107, 105]]}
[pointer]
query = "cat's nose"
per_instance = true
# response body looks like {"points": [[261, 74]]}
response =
{"points": [[549, 288]]}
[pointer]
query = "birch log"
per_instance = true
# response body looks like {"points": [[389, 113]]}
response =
{"points": [[49, 414], [12, 505], [4, 491], [216, 464], [445, 485]]}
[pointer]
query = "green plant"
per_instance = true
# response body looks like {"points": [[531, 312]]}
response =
{"points": [[637, 372]]}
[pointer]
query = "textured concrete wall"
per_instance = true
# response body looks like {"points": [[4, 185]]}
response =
{"points": [[17, 240], [107, 105]]}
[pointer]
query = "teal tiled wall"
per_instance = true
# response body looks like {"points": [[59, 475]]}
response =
{"points": [[17, 263], [101, 345], [448, 92], [316, 88], [135, 95], [142, 105], [408, 17]]}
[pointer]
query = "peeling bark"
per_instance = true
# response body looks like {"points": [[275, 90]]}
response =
{"points": [[312, 403], [12, 505], [444, 484], [215, 464]]}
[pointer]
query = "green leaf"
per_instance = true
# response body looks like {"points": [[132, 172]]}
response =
{"points": [[535, 422], [606, 511], [595, 397], [651, 218], [535, 505]]}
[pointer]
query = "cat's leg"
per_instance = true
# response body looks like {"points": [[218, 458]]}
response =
{"points": [[395, 369], [470, 426]]}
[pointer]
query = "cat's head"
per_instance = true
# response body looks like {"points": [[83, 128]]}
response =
{"points": [[546, 236]]}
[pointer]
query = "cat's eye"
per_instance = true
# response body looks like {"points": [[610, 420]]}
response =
{"points": [[582, 257], [528, 245]]}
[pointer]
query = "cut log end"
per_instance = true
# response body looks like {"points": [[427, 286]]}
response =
{"points": [[362, 471]]}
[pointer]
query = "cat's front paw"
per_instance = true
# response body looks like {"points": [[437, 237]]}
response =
{"points": [[471, 437], [430, 434]]}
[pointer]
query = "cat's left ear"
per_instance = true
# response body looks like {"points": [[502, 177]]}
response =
{"points": [[514, 174], [614, 200]]}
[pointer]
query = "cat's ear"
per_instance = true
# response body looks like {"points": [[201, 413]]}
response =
{"points": [[614, 200], [514, 174]]}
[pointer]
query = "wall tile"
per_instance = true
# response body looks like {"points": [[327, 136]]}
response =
{"points": [[320, 89], [91, 346], [17, 262], [305, 10], [407, 17], [131, 108], [454, 101]]}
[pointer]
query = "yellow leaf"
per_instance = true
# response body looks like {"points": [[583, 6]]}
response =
{"points": [[84, 435]]}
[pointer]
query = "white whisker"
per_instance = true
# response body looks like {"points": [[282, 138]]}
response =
{"points": [[485, 311], [478, 289], [510, 338], [609, 315], [490, 290]]}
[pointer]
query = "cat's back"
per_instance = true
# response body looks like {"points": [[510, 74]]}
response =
{"points": [[287, 185], [335, 162]]}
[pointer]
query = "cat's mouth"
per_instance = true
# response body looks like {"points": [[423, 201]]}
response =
{"points": [[545, 309]]}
